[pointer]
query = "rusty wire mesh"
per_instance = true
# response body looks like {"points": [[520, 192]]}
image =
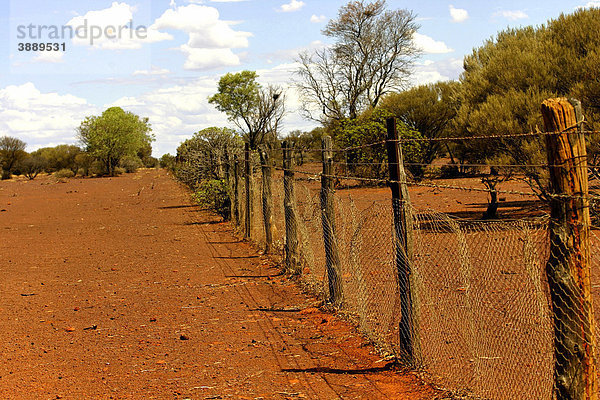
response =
{"points": [[483, 325]]}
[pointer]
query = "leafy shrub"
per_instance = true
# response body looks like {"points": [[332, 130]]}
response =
{"points": [[213, 194], [97, 168], [64, 173], [371, 161], [167, 161], [119, 171], [32, 166], [130, 164]]}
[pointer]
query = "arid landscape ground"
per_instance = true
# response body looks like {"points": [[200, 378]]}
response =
{"points": [[120, 288]]}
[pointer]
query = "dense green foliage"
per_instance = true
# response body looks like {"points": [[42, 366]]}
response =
{"points": [[256, 111], [63, 156], [167, 161], [32, 166], [429, 110], [213, 194], [370, 128], [304, 141], [12, 151], [114, 135], [507, 78], [206, 154]]}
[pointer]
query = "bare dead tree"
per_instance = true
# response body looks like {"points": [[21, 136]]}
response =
{"points": [[373, 54]]}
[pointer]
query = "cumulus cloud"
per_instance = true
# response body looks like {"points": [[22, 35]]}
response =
{"points": [[41, 118], [293, 5], [317, 19], [430, 71], [430, 46], [511, 14], [458, 14], [590, 4], [211, 39], [112, 28], [178, 111], [205, 59]]}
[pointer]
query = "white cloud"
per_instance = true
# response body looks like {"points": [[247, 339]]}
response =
{"points": [[110, 28], [430, 46], [178, 111], [152, 72], [41, 118], [458, 14], [203, 59], [211, 39], [317, 19], [293, 5], [590, 4], [512, 14], [53, 57], [430, 71]]}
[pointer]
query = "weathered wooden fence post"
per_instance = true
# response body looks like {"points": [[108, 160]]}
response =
{"points": [[236, 190], [332, 258], [568, 268], [267, 197], [403, 226], [291, 261], [248, 200], [226, 167]]}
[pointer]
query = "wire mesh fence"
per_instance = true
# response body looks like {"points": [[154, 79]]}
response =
{"points": [[468, 302], [484, 326]]}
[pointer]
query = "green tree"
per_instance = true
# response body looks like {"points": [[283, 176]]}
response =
{"points": [[372, 54], [255, 110], [371, 161], [113, 135], [505, 80], [304, 141], [205, 154], [12, 150], [428, 109], [59, 157], [32, 166], [167, 161]]}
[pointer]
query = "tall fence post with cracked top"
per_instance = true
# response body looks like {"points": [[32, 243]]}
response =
{"points": [[568, 267]]}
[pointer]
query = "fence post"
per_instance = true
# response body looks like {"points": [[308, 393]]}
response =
{"points": [[236, 190], [266, 197], [332, 259], [403, 226], [248, 202], [226, 166], [568, 268], [291, 261]]}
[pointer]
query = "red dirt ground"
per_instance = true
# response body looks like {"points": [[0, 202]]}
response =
{"points": [[119, 288]]}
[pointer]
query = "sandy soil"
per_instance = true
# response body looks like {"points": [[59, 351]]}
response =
{"points": [[119, 288]]}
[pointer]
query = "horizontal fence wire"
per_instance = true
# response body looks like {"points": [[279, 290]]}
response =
{"points": [[483, 323]]}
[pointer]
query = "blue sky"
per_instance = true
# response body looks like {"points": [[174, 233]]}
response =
{"points": [[167, 71]]}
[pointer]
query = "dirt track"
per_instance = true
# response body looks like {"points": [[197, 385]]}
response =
{"points": [[120, 289]]}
